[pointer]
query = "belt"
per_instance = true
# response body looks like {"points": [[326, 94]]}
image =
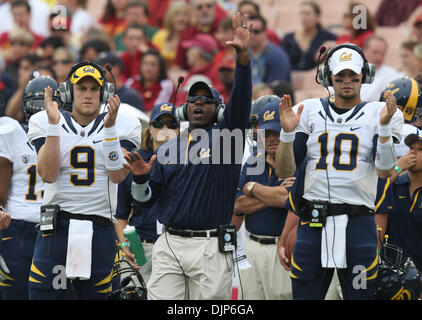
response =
{"points": [[191, 233], [335, 209], [95, 219], [263, 240], [147, 241]]}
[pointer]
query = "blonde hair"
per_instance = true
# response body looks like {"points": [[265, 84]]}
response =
{"points": [[146, 139], [174, 8], [20, 34]]}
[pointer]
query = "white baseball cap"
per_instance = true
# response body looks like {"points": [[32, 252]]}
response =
{"points": [[346, 58]]}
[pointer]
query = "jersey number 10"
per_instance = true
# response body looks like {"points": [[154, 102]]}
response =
{"points": [[323, 141]]}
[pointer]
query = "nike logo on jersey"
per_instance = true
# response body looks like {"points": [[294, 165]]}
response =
{"points": [[94, 142], [302, 223], [402, 197], [354, 129]]}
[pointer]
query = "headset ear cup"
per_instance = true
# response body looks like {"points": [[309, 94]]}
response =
{"points": [[108, 91], [368, 73], [65, 92], [179, 113], [324, 75], [220, 112]]}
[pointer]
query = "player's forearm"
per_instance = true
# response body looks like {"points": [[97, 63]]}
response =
{"points": [[381, 220], [272, 196], [5, 178], [118, 229], [48, 164], [290, 223], [285, 165], [117, 176]]}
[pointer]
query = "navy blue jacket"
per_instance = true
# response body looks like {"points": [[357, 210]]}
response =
{"points": [[143, 219], [404, 210], [201, 196]]}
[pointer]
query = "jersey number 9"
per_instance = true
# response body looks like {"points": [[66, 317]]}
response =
{"points": [[83, 157]]}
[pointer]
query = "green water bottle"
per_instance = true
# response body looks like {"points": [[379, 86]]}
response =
{"points": [[135, 245]]}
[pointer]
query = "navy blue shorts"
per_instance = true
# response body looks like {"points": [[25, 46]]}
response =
{"points": [[17, 249], [310, 281], [47, 270]]}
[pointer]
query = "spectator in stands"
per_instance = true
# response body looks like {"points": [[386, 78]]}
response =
{"points": [[409, 62], [81, 18], [226, 68], [375, 50], [224, 34], [393, 13], [176, 20], [136, 12], [62, 61], [49, 46], [416, 32], [21, 43], [280, 88], [21, 12], [114, 18], [260, 90], [7, 88], [301, 45], [200, 52], [152, 81], [136, 44], [355, 32], [208, 15], [59, 27], [40, 12], [126, 94], [92, 49], [27, 66], [268, 61], [251, 8]]}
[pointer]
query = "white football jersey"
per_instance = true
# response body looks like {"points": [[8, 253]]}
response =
{"points": [[340, 151], [83, 185], [26, 187], [401, 148]]}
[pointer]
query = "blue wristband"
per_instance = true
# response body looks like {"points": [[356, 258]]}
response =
{"points": [[141, 179]]}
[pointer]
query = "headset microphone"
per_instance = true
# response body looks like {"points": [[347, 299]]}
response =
{"points": [[179, 82], [321, 52], [108, 67]]}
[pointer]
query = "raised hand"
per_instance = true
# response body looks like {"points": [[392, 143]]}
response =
{"points": [[289, 120], [389, 109], [137, 165], [51, 107], [241, 37], [113, 105]]}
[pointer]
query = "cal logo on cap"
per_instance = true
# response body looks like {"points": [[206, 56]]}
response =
{"points": [[268, 116], [346, 56], [166, 107]]}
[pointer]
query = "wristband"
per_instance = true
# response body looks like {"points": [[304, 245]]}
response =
{"points": [[110, 134], [398, 169], [53, 130], [124, 244], [287, 137], [384, 131]]}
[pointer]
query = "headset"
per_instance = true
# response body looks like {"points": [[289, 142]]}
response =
{"points": [[181, 112], [324, 72], [66, 88]]}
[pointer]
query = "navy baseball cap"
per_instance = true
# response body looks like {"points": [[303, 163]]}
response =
{"points": [[411, 139], [160, 109], [269, 117], [211, 91]]}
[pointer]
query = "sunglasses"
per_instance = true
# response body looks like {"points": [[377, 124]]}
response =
{"points": [[204, 99], [20, 43], [64, 61], [200, 6], [159, 124]]}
